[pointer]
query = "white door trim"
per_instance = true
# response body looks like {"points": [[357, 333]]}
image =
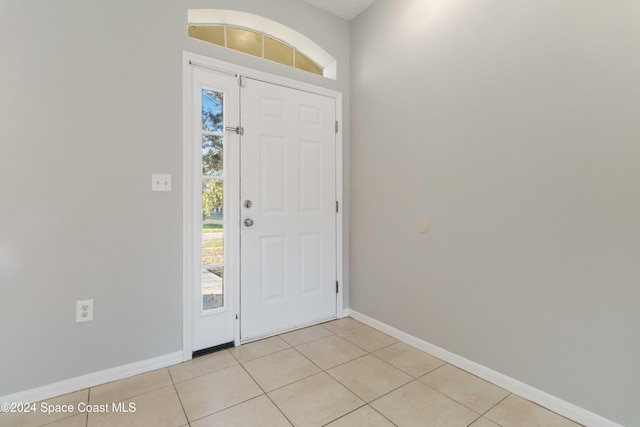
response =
{"points": [[191, 59]]}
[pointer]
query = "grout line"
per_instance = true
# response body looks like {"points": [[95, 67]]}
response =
{"points": [[497, 403], [288, 384], [391, 391], [210, 373], [351, 412], [316, 373], [309, 360], [382, 415], [344, 363], [186, 417], [431, 371], [86, 421], [342, 416], [137, 395], [278, 408], [367, 403], [267, 354], [367, 353], [339, 332], [310, 341], [459, 403], [228, 407], [396, 341], [171, 376], [409, 373], [235, 404], [440, 367], [479, 416], [267, 395]]}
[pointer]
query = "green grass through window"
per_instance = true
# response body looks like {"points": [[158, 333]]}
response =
{"points": [[212, 228]]}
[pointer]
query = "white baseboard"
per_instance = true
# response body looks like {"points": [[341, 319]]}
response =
{"points": [[345, 313], [566, 409], [93, 379]]}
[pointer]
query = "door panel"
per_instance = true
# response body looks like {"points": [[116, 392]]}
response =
{"points": [[310, 263], [273, 159], [273, 259], [311, 166], [288, 255]]}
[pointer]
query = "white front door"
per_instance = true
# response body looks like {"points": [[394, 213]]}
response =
{"points": [[212, 240], [288, 209]]}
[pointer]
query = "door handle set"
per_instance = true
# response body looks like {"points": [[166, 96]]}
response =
{"points": [[248, 222]]}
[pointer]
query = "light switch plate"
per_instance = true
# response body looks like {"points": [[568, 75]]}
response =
{"points": [[160, 182]]}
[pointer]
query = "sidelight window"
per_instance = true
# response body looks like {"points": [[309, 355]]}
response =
{"points": [[212, 139]]}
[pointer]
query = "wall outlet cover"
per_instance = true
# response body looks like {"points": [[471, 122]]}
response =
{"points": [[84, 311]]}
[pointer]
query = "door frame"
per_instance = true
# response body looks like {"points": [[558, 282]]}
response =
{"points": [[189, 60]]}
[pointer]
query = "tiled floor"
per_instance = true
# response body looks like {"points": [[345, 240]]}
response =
{"points": [[339, 374]]}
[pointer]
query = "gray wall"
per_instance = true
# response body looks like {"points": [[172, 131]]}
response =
{"points": [[514, 126], [90, 106]]}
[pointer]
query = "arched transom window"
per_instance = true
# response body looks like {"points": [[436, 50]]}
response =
{"points": [[262, 37]]}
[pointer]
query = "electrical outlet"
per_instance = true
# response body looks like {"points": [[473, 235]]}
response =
{"points": [[84, 311], [160, 182]]}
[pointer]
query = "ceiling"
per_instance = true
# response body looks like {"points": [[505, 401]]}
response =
{"points": [[345, 9]]}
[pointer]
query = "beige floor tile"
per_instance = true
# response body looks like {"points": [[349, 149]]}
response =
{"points": [[256, 349], [330, 351], [158, 408], [369, 377], [418, 405], [302, 336], [363, 417], [473, 392], [409, 359], [202, 365], [315, 401], [202, 396], [483, 422], [79, 420], [279, 369], [39, 417], [515, 411], [368, 338], [117, 391], [342, 325], [255, 412]]}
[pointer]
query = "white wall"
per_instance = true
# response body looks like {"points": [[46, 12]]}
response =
{"points": [[513, 125], [90, 107]]}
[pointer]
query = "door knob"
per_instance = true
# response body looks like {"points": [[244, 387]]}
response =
{"points": [[248, 204], [248, 222]]}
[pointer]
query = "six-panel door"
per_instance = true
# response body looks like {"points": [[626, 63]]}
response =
{"points": [[288, 173]]}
